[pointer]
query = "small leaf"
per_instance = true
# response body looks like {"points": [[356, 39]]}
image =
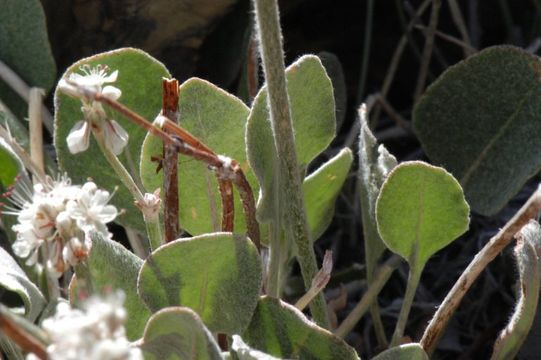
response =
{"points": [[420, 210], [312, 110], [217, 275], [217, 119], [243, 352], [403, 352], [112, 267], [528, 255], [178, 333], [477, 120], [139, 79], [13, 278], [281, 330], [10, 165], [321, 189]]}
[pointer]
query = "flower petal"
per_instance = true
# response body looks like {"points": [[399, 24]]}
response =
{"points": [[79, 137], [115, 136], [111, 92]]}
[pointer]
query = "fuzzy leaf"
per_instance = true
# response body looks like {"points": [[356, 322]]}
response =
{"points": [[113, 267], [281, 330], [321, 189], [10, 165], [13, 278], [217, 275], [178, 333], [420, 210], [25, 49], [375, 163], [312, 109], [334, 69], [403, 352], [139, 79], [243, 352], [477, 121], [528, 255], [217, 119]]}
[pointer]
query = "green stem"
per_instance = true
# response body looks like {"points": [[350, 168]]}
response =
{"points": [[152, 223], [411, 288], [289, 177], [273, 283]]}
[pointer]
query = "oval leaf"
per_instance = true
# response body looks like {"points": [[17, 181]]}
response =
{"points": [[139, 79], [217, 119], [477, 120], [312, 109], [13, 278], [112, 266], [321, 189], [281, 330], [404, 352], [178, 333], [420, 209], [217, 275]]}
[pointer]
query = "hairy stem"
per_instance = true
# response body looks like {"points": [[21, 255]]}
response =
{"points": [[411, 288], [289, 177]]}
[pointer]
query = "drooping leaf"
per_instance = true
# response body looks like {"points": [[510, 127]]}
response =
{"points": [[375, 163], [244, 352], [113, 267], [281, 330], [178, 333], [403, 352], [528, 255], [25, 49], [420, 209], [313, 116], [477, 121], [216, 275], [13, 278], [321, 189], [139, 79], [217, 119]]}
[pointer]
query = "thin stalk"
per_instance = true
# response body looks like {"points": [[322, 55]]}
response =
{"points": [[366, 49], [152, 223], [497, 243], [36, 128], [380, 279], [413, 281], [458, 19], [275, 263], [289, 179]]}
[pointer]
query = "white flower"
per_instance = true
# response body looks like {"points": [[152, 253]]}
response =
{"points": [[95, 117], [95, 332], [55, 222]]}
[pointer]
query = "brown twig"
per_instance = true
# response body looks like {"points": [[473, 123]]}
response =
{"points": [[252, 68], [228, 204], [22, 338], [496, 244], [170, 164]]}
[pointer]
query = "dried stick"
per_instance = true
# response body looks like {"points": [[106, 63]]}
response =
{"points": [[36, 127], [228, 204], [170, 164], [16, 332], [496, 244]]}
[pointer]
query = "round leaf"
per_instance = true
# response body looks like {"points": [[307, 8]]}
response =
{"points": [[178, 333], [281, 330], [217, 119], [217, 275], [420, 209], [112, 266], [139, 79], [478, 121], [312, 109]]}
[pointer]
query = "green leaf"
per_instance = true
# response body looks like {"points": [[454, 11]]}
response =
{"points": [[13, 278], [420, 210], [403, 352], [281, 330], [112, 266], [321, 189], [217, 119], [528, 255], [375, 163], [313, 115], [477, 120], [10, 165], [334, 69], [243, 352], [178, 333], [25, 49], [139, 79], [217, 275]]}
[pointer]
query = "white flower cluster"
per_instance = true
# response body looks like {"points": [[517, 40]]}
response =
{"points": [[58, 218], [95, 118], [95, 332]]}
